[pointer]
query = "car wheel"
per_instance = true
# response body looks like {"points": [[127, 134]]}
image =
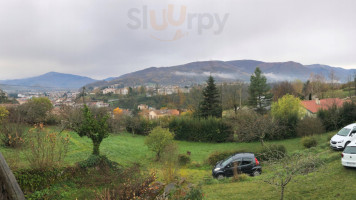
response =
{"points": [[346, 144], [256, 173], [220, 176]]}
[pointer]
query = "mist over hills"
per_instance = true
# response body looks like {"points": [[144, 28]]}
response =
{"points": [[182, 75], [223, 71]]}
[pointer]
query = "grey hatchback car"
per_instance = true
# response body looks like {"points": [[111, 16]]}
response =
{"points": [[247, 163]]}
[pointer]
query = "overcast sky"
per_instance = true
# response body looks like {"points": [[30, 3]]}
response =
{"points": [[105, 38]]}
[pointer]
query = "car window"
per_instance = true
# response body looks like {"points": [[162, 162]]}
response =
{"points": [[344, 132], [227, 161], [246, 161], [350, 150]]}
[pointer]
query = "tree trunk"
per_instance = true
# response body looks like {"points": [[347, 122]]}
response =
{"points": [[96, 150], [235, 109], [262, 142], [282, 192]]}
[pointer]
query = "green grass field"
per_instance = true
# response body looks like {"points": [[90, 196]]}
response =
{"points": [[331, 181]]}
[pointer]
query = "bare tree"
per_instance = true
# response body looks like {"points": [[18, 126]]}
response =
{"points": [[287, 168], [355, 82], [318, 84], [333, 81], [349, 84], [281, 89], [251, 126], [232, 95]]}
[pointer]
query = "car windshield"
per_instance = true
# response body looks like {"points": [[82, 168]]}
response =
{"points": [[227, 161], [350, 150], [344, 132]]}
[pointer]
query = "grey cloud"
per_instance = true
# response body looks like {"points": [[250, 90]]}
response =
{"points": [[91, 37]]}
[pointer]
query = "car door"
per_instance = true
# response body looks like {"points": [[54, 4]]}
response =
{"points": [[352, 134], [246, 165], [229, 169]]}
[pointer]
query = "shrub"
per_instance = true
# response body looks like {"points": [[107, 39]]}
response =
{"points": [[330, 118], [3, 114], [272, 152], [134, 184], [218, 156], [287, 110], [183, 159], [210, 129], [309, 142], [12, 134], [195, 193], [47, 149], [347, 113], [251, 126], [309, 126], [139, 126], [97, 161], [170, 165], [158, 140], [32, 180], [36, 110]]}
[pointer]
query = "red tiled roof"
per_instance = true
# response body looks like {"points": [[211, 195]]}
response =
{"points": [[325, 104]]}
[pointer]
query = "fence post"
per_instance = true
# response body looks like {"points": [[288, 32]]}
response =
{"points": [[9, 188]]}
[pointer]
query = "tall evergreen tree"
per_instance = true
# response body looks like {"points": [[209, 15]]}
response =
{"points": [[258, 90], [211, 105]]}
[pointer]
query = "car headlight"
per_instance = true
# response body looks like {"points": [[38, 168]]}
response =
{"points": [[341, 141], [216, 169]]}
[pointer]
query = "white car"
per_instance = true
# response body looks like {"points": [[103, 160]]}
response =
{"points": [[349, 155], [343, 137]]}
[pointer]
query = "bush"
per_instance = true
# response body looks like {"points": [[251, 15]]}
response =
{"points": [[195, 193], [309, 142], [287, 111], [139, 126], [183, 159], [31, 180], [12, 134], [97, 161], [309, 126], [218, 156], [170, 164], [251, 126], [158, 140], [3, 114], [347, 113], [36, 110], [272, 152], [330, 118], [200, 130], [47, 149]]}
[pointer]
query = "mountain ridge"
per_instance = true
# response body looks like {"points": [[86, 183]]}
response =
{"points": [[223, 71], [50, 81]]}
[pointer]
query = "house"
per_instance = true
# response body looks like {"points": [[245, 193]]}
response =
{"points": [[312, 106], [99, 104], [142, 107], [123, 91], [156, 114], [109, 90]]}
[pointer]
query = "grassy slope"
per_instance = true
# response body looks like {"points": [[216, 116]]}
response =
{"points": [[329, 182], [126, 149]]}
